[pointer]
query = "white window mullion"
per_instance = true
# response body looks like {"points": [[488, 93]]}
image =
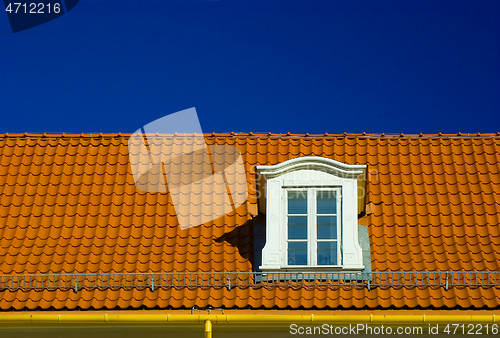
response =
{"points": [[313, 246], [310, 257]]}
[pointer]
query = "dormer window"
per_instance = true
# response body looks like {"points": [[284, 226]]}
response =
{"points": [[311, 206]]}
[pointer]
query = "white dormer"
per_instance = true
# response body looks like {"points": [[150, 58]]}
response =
{"points": [[311, 206]]}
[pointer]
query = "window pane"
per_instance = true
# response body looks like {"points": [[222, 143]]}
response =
{"points": [[297, 253], [326, 202], [327, 253], [297, 227], [327, 227], [297, 202]]}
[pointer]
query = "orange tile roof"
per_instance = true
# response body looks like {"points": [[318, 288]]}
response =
{"points": [[68, 204]]}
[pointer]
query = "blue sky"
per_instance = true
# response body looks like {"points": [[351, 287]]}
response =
{"points": [[277, 66]]}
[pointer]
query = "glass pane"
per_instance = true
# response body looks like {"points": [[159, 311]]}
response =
{"points": [[297, 202], [327, 253], [297, 227], [297, 253], [327, 227], [326, 202]]}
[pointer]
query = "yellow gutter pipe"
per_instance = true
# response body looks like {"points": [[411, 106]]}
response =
{"points": [[208, 329], [241, 319]]}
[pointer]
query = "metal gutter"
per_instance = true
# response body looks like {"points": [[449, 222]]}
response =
{"points": [[147, 319]]}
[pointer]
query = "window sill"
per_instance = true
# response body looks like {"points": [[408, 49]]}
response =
{"points": [[313, 277], [311, 269]]}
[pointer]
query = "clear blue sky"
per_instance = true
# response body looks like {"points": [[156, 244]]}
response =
{"points": [[262, 65]]}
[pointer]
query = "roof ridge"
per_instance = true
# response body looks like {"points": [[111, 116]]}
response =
{"points": [[251, 134]]}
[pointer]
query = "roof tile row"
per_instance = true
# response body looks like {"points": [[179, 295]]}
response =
{"points": [[292, 298]]}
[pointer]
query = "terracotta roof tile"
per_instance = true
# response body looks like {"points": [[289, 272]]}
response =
{"points": [[422, 297], [68, 204]]}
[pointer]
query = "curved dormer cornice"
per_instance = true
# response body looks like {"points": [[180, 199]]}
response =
{"points": [[311, 163]]}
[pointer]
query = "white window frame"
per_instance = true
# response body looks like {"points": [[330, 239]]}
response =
{"points": [[309, 172], [312, 238]]}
